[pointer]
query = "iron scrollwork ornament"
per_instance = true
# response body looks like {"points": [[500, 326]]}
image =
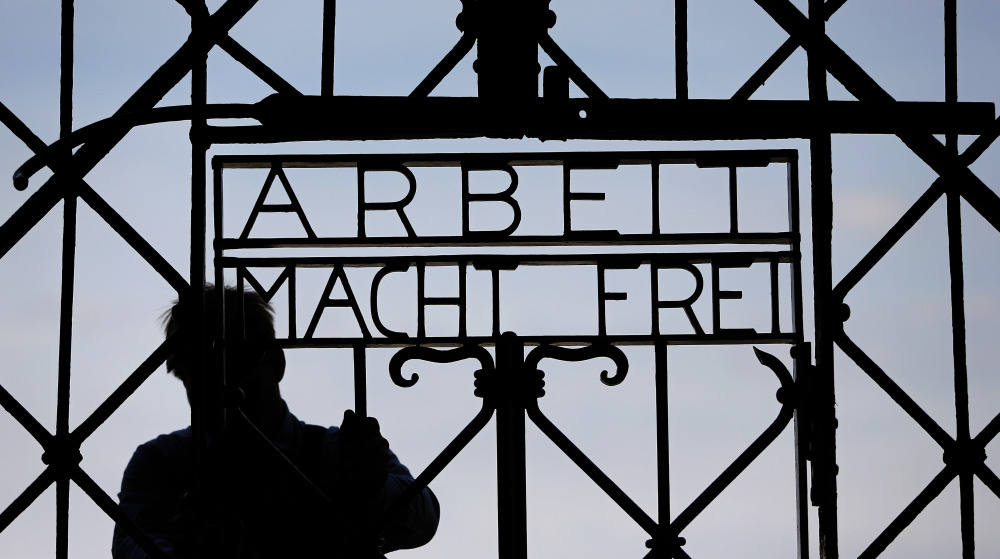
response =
{"points": [[435, 356], [582, 354]]}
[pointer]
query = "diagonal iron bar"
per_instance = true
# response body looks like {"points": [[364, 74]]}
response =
{"points": [[107, 504], [751, 453], [575, 73], [148, 94], [39, 204], [435, 467], [906, 517], [981, 144], [989, 432], [255, 65], [28, 496], [593, 472], [893, 390], [122, 393], [162, 81], [20, 129], [906, 222], [889, 240], [24, 417], [862, 86], [989, 478], [140, 245], [445, 66], [766, 70], [29, 213], [771, 65]]}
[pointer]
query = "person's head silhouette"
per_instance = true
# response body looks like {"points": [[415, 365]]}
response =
{"points": [[254, 364]]}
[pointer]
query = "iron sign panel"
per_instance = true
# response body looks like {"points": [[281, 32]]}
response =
{"points": [[327, 215]]}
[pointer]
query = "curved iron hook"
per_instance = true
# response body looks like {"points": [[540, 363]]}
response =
{"points": [[156, 115], [582, 354], [435, 356], [780, 370]]}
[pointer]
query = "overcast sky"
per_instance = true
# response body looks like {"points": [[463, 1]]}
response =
{"points": [[720, 397]]}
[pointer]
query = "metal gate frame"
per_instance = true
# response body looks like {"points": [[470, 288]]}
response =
{"points": [[508, 35]]}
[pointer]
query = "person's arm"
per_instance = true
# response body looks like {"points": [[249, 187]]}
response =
{"points": [[373, 474], [149, 498], [417, 523]]}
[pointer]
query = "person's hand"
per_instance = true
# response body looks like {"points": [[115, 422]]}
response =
{"points": [[362, 460]]}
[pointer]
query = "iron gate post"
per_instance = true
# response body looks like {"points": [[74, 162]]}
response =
{"points": [[826, 309], [507, 51], [512, 522]]}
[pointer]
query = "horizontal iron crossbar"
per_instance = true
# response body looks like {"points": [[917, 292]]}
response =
{"points": [[297, 117]]}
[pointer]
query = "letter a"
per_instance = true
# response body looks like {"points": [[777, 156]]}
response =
{"points": [[292, 206], [348, 301]]}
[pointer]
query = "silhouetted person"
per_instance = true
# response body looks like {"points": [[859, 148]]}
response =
{"points": [[274, 513]]}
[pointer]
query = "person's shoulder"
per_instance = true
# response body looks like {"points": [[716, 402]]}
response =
{"points": [[173, 444], [159, 464], [178, 437]]}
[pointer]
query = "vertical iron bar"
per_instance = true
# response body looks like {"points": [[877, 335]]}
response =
{"points": [[951, 62], [662, 441], [826, 316], [495, 273], [421, 300], [360, 381], [681, 48], [796, 230], [654, 298], [956, 268], [734, 202], [566, 205], [802, 357], [961, 369], [66, 74], [329, 34], [463, 301], [68, 280], [775, 305], [602, 319], [207, 414], [512, 528], [217, 325], [217, 204], [655, 196], [65, 362], [199, 93], [358, 528], [507, 51]]}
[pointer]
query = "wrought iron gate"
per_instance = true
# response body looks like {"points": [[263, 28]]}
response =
{"points": [[508, 36]]}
